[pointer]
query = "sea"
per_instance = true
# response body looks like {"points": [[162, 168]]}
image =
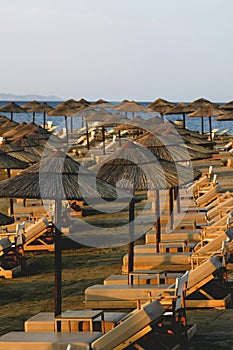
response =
{"points": [[191, 123]]}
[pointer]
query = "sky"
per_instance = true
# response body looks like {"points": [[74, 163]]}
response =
{"points": [[115, 49]]}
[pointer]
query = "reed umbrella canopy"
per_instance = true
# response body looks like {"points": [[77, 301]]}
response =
{"points": [[57, 178], [132, 107], [227, 106], [207, 111], [6, 220], [180, 108], [12, 108], [43, 108], [32, 104]]}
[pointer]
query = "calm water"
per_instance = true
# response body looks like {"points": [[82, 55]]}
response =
{"points": [[191, 123]]}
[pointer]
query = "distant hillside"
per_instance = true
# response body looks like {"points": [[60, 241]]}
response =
{"points": [[12, 97]]}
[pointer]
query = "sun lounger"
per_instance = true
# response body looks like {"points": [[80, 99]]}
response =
{"points": [[134, 326], [165, 261], [191, 236], [10, 259], [47, 341], [36, 238], [45, 322], [209, 196]]}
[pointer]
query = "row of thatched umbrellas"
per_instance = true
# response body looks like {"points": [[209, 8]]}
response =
{"points": [[59, 178]]}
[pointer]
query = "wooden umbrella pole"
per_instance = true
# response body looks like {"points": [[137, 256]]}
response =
{"points": [[177, 198], [67, 137], [11, 200], [58, 262], [157, 223], [202, 126], [103, 140], [71, 124], [44, 119], [12, 115], [184, 121], [33, 116], [119, 135], [171, 213], [87, 135], [131, 240], [210, 123]]}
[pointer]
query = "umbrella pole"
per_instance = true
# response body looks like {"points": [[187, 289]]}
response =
{"points": [[33, 117], [58, 263], [71, 124], [177, 198], [87, 134], [44, 120], [184, 121], [157, 223], [103, 140], [202, 126], [210, 123], [119, 135], [131, 240], [171, 208], [11, 199], [11, 115], [67, 137]]}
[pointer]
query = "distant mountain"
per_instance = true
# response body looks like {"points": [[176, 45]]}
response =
{"points": [[12, 97]]}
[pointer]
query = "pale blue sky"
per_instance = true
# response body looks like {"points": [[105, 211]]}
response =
{"points": [[115, 49]]}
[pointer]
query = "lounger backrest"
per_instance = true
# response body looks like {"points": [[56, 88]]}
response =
{"points": [[212, 246], [204, 270], [136, 322], [20, 229], [208, 196], [36, 228], [219, 209], [198, 184], [180, 286]]}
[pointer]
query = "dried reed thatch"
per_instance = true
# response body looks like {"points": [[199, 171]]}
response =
{"points": [[9, 162], [56, 177], [12, 108], [227, 106]]}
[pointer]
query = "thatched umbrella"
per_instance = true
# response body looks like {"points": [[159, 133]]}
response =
{"points": [[8, 163], [157, 102], [3, 119], [180, 108], [31, 146], [57, 178], [160, 106], [8, 125], [201, 102], [227, 106], [14, 131], [6, 220], [98, 102], [99, 116], [12, 108], [139, 166], [43, 108], [226, 116], [115, 120], [74, 105], [207, 111], [132, 107], [66, 111], [28, 106]]}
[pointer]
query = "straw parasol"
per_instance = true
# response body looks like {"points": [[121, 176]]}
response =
{"points": [[8, 163], [132, 107], [8, 125], [12, 108], [135, 163], [14, 131], [28, 106], [66, 111], [180, 108], [227, 106], [200, 102], [42, 108], [207, 111], [58, 178], [98, 102], [226, 116], [3, 119], [115, 120], [73, 104]]}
